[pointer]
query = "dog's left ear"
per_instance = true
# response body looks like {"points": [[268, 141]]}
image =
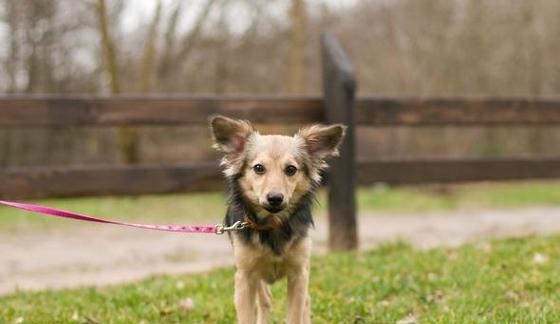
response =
{"points": [[230, 135], [322, 141]]}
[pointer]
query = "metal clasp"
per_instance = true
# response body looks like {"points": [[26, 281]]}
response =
{"points": [[237, 226]]}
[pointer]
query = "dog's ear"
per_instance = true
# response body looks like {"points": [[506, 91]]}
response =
{"points": [[322, 141], [230, 135]]}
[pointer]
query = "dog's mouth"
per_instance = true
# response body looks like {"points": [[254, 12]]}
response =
{"points": [[274, 209]]}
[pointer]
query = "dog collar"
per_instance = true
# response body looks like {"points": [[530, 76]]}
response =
{"points": [[272, 223]]}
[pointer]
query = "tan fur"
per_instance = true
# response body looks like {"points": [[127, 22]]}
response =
{"points": [[321, 142], [256, 268], [275, 153], [257, 265]]}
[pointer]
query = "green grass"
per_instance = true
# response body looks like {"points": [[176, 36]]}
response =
{"points": [[465, 196], [489, 282], [210, 207], [471, 196]]}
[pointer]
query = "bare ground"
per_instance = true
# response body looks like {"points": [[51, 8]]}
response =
{"points": [[99, 254]]}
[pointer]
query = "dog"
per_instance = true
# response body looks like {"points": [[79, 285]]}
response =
{"points": [[272, 180]]}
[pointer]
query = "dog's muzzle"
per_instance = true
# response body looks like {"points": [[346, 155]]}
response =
{"points": [[274, 202]]}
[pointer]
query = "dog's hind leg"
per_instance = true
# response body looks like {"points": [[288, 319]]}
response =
{"points": [[245, 295], [264, 303]]}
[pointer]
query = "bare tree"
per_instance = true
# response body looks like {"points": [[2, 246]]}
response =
{"points": [[298, 40], [170, 35], [187, 42], [11, 17], [108, 45], [127, 137], [149, 51]]}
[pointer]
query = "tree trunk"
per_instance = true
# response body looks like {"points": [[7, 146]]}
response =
{"points": [[298, 32], [149, 52], [187, 43], [108, 47], [127, 137]]}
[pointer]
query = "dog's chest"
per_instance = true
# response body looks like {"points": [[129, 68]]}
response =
{"points": [[261, 261], [270, 267]]}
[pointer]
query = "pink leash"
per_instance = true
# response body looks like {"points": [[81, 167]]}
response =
{"points": [[210, 229]]}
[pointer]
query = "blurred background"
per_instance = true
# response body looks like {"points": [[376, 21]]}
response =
{"points": [[271, 47], [399, 48]]}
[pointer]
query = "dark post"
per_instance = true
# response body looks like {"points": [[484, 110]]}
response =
{"points": [[339, 86]]}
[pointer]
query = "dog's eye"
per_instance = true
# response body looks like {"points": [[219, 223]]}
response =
{"points": [[259, 169], [290, 170]]}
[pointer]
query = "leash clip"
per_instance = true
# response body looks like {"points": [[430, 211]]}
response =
{"points": [[237, 226]]}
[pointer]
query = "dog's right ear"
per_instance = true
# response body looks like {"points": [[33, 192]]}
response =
{"points": [[230, 135]]}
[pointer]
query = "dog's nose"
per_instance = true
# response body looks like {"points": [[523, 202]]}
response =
{"points": [[274, 199]]}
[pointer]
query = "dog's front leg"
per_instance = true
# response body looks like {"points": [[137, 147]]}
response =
{"points": [[264, 301], [245, 297], [298, 282]]}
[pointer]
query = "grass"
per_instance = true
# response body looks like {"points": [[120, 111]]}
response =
{"points": [[505, 281], [209, 207], [465, 196]]}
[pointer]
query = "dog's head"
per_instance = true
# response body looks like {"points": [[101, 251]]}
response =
{"points": [[274, 171]]}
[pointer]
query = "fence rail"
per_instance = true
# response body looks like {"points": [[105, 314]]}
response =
{"points": [[336, 105], [42, 182], [109, 180], [458, 111], [432, 170], [58, 111]]}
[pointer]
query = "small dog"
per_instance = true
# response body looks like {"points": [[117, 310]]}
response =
{"points": [[272, 180]]}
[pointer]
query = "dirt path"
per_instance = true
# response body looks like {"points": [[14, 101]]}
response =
{"points": [[100, 254]]}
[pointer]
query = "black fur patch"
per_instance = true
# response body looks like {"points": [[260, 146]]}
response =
{"points": [[295, 227]]}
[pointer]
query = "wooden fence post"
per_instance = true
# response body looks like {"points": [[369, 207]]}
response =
{"points": [[339, 86]]}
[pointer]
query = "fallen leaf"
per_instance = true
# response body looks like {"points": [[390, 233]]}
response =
{"points": [[186, 304], [512, 295], [358, 319], [539, 258], [485, 247], [91, 320], [166, 310], [411, 319]]}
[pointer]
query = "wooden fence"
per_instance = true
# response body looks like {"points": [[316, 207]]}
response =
{"points": [[337, 105]]}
